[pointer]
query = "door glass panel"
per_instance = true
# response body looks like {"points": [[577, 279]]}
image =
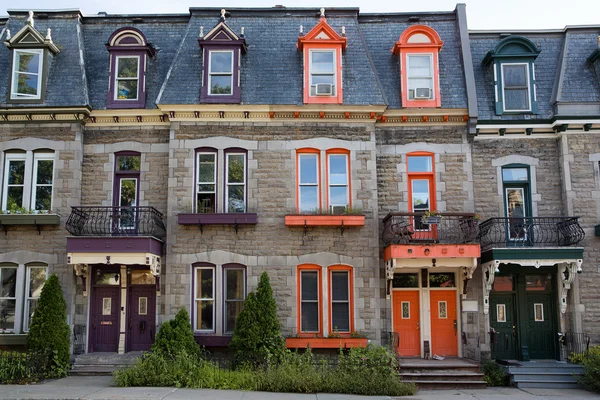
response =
{"points": [[442, 309], [142, 278], [406, 310], [405, 280], [420, 195], [127, 198], [106, 306], [503, 284], [538, 282], [442, 280], [538, 309], [515, 210], [500, 313]]}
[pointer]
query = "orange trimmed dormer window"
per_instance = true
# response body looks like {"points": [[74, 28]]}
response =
{"points": [[418, 49], [322, 49]]}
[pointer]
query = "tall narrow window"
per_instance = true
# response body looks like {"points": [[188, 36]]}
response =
{"points": [[421, 187], [27, 70], [341, 302], [235, 286], [420, 76], [127, 176], [338, 197], [515, 180], [206, 185], [236, 183], [14, 182], [8, 297], [204, 300], [322, 73], [36, 277], [310, 288], [308, 182], [220, 73], [43, 168], [127, 78]]}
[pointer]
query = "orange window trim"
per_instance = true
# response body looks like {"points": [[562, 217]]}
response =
{"points": [[309, 267], [318, 154], [350, 294], [347, 153], [430, 176], [338, 98]]}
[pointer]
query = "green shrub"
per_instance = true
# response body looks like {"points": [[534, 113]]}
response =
{"points": [[176, 336], [257, 335], [591, 365], [494, 374], [576, 358], [49, 331], [22, 368]]}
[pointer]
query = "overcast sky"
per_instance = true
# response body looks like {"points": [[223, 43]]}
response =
{"points": [[482, 14]]}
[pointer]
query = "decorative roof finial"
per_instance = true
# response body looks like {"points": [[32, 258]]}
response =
{"points": [[49, 35], [322, 12], [8, 34], [201, 32], [30, 19], [223, 14], [343, 31], [242, 33], [301, 29]]}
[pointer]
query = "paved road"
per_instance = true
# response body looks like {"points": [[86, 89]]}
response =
{"points": [[101, 388]]}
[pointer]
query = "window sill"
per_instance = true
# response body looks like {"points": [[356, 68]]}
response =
{"points": [[29, 219], [218, 219], [325, 220], [13, 339], [325, 343]]}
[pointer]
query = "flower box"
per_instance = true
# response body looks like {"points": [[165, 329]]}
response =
{"points": [[431, 220], [325, 220], [325, 343], [29, 219], [218, 219]]}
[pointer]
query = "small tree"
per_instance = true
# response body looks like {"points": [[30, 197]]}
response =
{"points": [[49, 330], [175, 336], [257, 335]]}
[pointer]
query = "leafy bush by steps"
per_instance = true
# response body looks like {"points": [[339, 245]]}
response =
{"points": [[591, 365], [494, 374], [176, 336]]}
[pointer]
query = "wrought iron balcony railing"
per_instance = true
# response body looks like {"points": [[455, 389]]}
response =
{"points": [[415, 228], [116, 221], [530, 232]]}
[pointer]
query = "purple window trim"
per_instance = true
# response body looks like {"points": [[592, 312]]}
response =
{"points": [[236, 96], [193, 298], [235, 150], [231, 266], [125, 174], [205, 150]]}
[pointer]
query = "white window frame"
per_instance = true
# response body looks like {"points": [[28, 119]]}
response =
{"points": [[318, 300], [200, 299], [332, 185], [529, 102], [116, 82], [8, 157], [34, 185], [225, 299], [198, 183], [311, 184], [211, 73], [228, 184], [16, 298], [431, 77], [347, 301], [28, 298], [334, 74], [14, 95]]}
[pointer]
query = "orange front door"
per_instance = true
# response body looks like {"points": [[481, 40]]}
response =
{"points": [[406, 322], [444, 328]]}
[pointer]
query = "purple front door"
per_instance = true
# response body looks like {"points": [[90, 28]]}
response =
{"points": [[104, 319], [142, 317]]}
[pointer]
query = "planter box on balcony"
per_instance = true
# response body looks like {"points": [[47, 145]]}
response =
{"points": [[218, 219], [325, 343], [325, 220], [431, 220], [29, 219]]}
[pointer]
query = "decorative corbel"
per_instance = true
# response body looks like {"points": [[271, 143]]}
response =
{"points": [[489, 269], [467, 276], [154, 263], [389, 275], [81, 270], [567, 275]]}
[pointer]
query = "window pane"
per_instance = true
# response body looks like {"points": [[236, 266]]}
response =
{"points": [[338, 169], [515, 203], [420, 194], [142, 277], [128, 163], [235, 284], [235, 168], [220, 84], [340, 317], [127, 67], [322, 79], [128, 193], [205, 313], [206, 202], [44, 172], [16, 172], [43, 197], [235, 199], [15, 197], [442, 279], [31, 307], [310, 317], [206, 168], [204, 283], [515, 75], [308, 168], [7, 314], [221, 62], [419, 66], [514, 174], [28, 62], [419, 164], [503, 284], [107, 278], [538, 282], [308, 198], [206, 188], [37, 278], [405, 281], [414, 83], [233, 310], [27, 84], [516, 99], [8, 277], [309, 285], [127, 89], [338, 195], [322, 62], [339, 286]]}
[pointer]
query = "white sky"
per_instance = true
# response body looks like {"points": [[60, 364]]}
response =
{"points": [[481, 14]]}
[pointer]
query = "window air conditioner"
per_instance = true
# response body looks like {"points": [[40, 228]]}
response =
{"points": [[337, 210], [422, 93], [324, 89]]}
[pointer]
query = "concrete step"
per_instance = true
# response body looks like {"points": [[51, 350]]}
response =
{"points": [[102, 363], [548, 376], [537, 384], [445, 385], [542, 370], [442, 376]]}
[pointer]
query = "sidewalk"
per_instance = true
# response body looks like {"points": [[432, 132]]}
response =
{"points": [[101, 388]]}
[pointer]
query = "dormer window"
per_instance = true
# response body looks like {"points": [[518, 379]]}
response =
{"points": [[129, 52], [27, 70], [222, 50], [418, 49], [322, 49], [512, 61]]}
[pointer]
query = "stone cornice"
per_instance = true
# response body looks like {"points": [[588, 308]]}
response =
{"points": [[37, 115]]}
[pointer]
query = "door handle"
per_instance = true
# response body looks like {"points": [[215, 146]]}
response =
{"points": [[142, 326], [417, 326], [130, 324], [455, 327]]}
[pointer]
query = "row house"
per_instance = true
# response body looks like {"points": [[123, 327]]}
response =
{"points": [[397, 176]]}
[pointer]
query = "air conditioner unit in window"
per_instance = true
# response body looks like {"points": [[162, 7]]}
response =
{"points": [[338, 210], [324, 89], [422, 93]]}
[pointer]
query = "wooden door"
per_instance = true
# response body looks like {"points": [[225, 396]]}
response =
{"points": [[444, 325], [540, 326], [104, 335], [504, 323], [142, 317], [406, 322]]}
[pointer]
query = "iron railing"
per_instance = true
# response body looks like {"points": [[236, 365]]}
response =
{"points": [[573, 343], [22, 368], [79, 339], [530, 232], [116, 221], [409, 228]]}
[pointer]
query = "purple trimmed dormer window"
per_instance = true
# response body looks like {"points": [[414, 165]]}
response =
{"points": [[129, 51]]}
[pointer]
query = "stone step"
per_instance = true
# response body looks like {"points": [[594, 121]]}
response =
{"points": [[547, 376], [441, 376], [445, 385], [541, 370], [537, 384]]}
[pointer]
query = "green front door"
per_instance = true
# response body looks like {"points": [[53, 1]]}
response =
{"points": [[540, 333], [503, 322]]}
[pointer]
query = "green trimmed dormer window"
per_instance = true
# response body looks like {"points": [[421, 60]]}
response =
{"points": [[513, 64]]}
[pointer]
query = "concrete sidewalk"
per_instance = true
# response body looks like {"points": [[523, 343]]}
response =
{"points": [[96, 388]]}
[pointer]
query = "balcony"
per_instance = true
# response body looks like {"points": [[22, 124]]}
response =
{"points": [[440, 228], [527, 232], [116, 222]]}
